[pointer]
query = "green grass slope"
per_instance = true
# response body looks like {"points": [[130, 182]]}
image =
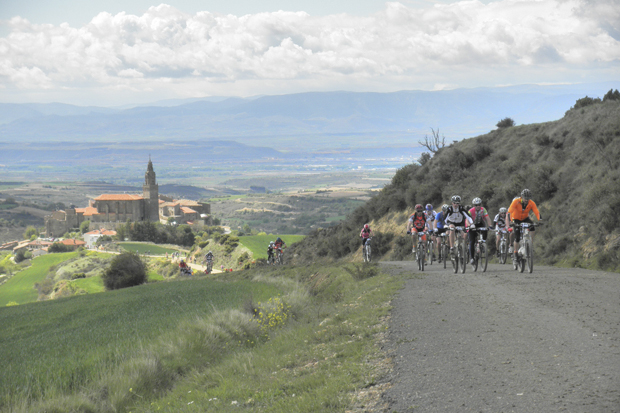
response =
{"points": [[257, 244], [55, 347], [571, 166], [20, 288]]}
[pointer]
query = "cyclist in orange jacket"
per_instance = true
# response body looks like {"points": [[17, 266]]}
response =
{"points": [[518, 212]]}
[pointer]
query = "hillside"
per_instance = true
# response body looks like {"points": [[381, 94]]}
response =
{"points": [[570, 165]]}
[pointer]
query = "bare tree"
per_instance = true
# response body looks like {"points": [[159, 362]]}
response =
{"points": [[434, 143]]}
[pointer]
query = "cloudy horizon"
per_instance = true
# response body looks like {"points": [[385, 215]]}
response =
{"points": [[166, 53]]}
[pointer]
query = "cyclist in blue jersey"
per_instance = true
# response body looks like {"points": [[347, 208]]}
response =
{"points": [[439, 227]]}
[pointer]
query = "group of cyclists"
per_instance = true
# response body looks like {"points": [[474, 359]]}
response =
{"points": [[475, 218], [274, 246]]}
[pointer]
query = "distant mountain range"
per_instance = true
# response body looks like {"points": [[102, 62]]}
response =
{"points": [[320, 120]]}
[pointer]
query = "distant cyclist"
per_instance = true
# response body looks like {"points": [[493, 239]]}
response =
{"points": [[270, 248], [440, 228], [365, 234], [481, 219], [518, 212], [417, 223], [500, 227]]}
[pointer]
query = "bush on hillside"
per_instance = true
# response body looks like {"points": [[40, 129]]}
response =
{"points": [[125, 270], [611, 95], [586, 101], [505, 123]]}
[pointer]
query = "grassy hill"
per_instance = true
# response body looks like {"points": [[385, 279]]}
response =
{"points": [[55, 346], [571, 166]]}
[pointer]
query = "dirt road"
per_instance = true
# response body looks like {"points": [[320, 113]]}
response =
{"points": [[503, 341]]}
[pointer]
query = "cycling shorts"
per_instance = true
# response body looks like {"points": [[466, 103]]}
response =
{"points": [[441, 231], [518, 227]]}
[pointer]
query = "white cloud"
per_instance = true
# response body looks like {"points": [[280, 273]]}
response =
{"points": [[466, 43]]}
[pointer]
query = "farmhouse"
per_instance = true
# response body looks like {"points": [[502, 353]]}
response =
{"points": [[107, 211]]}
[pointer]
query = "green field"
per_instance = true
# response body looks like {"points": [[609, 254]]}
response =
{"points": [[62, 345], [142, 248], [20, 288], [258, 243]]}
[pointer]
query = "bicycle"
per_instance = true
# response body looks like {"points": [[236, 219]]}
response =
{"points": [[366, 252], [279, 256], [430, 248], [420, 251], [525, 254], [459, 259], [209, 266], [480, 251], [503, 246], [444, 249]]}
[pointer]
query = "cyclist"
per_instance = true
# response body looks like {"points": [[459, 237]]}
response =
{"points": [[500, 227], [457, 216], [365, 234], [279, 243], [209, 259], [270, 252], [430, 218], [439, 228], [481, 219], [417, 223], [518, 212]]}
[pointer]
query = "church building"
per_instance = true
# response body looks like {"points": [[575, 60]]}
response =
{"points": [[110, 210]]}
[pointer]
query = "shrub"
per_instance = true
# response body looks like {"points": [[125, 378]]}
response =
{"points": [[611, 95], [586, 101], [59, 247], [505, 123], [126, 270]]}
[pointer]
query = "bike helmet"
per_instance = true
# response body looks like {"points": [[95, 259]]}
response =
{"points": [[526, 195], [477, 202], [366, 226], [456, 199], [210, 252], [444, 208], [429, 207], [503, 210], [278, 239], [419, 208]]}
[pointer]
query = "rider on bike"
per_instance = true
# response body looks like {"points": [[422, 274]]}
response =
{"points": [[518, 212], [270, 252], [365, 234], [209, 256], [500, 227], [439, 227], [457, 216], [417, 223], [481, 219]]}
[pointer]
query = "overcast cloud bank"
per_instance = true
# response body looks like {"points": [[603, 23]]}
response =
{"points": [[167, 53]]}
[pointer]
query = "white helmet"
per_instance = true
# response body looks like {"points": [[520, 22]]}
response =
{"points": [[477, 202]]}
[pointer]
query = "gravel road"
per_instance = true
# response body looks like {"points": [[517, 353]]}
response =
{"points": [[503, 341]]}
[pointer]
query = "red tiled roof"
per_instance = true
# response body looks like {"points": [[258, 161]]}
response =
{"points": [[88, 211], [72, 242], [187, 210], [102, 232], [118, 197]]}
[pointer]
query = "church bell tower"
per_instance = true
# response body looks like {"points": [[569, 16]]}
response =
{"points": [[150, 191]]}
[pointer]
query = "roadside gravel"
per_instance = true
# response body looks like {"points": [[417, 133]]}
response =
{"points": [[503, 341]]}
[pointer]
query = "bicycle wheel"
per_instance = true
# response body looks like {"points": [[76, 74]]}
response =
{"points": [[422, 249], [503, 252], [529, 252], [445, 254], [475, 257], [484, 257], [368, 253], [462, 258], [522, 262]]}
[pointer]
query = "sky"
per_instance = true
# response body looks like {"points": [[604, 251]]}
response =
{"points": [[112, 53]]}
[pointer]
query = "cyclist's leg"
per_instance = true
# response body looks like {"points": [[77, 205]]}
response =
{"points": [[451, 236], [414, 238]]}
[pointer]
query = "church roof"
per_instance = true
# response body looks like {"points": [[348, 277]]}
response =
{"points": [[88, 211], [118, 197]]}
